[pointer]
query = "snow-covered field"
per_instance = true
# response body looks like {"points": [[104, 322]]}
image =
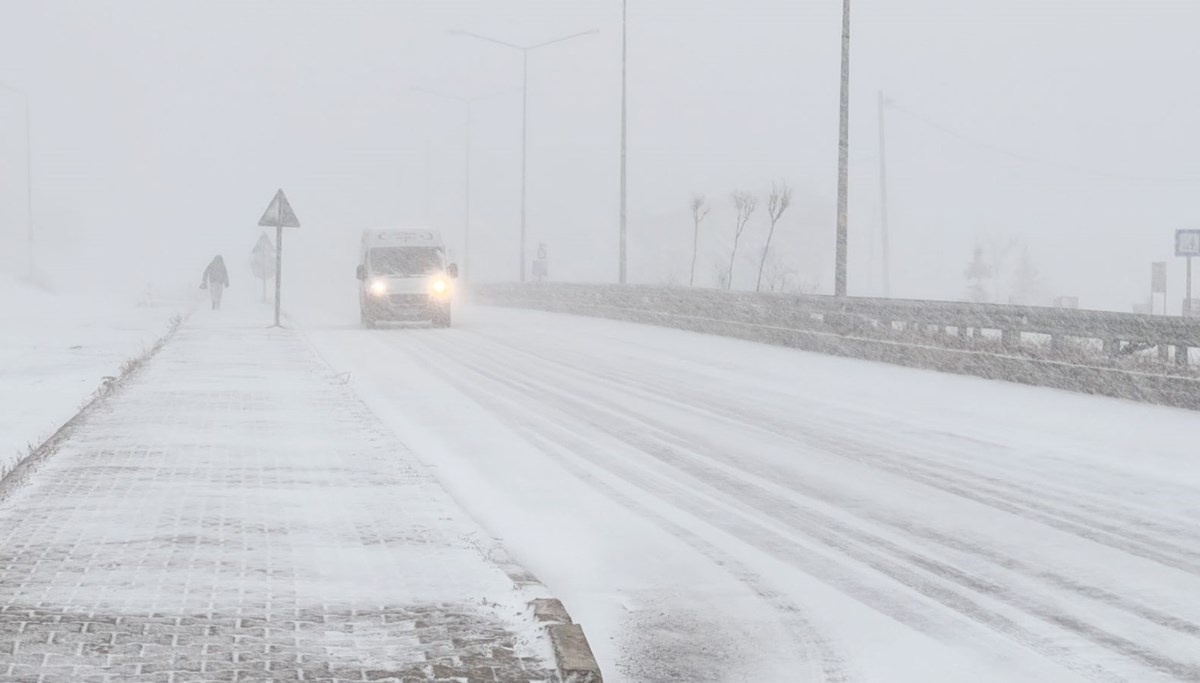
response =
{"points": [[55, 350], [712, 509]]}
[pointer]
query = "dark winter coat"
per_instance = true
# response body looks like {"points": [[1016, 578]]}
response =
{"points": [[215, 274]]}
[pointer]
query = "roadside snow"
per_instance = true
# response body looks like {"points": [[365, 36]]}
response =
{"points": [[55, 350]]}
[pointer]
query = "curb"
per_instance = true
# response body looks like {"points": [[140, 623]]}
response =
{"points": [[23, 470], [573, 655]]}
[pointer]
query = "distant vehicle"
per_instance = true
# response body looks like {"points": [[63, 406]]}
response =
{"points": [[404, 275]]}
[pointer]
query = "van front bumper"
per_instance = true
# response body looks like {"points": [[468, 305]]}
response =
{"points": [[404, 306]]}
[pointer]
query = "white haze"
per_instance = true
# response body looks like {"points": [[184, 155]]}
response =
{"points": [[161, 130]]}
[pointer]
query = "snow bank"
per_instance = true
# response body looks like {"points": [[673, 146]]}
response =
{"points": [[56, 349]]}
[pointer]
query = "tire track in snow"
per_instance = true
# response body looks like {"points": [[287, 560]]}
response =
{"points": [[747, 491], [827, 664], [938, 474], [848, 416], [859, 508], [834, 412], [786, 548]]}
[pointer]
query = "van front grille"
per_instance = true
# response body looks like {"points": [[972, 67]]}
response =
{"points": [[408, 299]]}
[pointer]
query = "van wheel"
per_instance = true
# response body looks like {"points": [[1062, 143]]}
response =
{"points": [[441, 318]]}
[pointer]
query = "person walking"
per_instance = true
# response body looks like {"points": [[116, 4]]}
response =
{"points": [[215, 280]]}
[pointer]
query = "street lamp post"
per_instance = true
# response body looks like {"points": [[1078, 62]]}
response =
{"points": [[28, 171], [839, 280], [883, 199], [622, 270], [469, 104], [525, 50]]}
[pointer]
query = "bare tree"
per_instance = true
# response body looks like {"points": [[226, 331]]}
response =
{"points": [[744, 203], [699, 210], [777, 202]]}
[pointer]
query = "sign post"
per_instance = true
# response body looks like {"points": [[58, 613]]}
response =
{"points": [[1187, 244], [279, 214]]}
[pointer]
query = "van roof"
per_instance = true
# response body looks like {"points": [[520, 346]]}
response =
{"points": [[402, 237]]}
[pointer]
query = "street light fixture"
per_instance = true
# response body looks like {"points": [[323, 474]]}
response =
{"points": [[28, 171], [468, 103], [525, 50]]}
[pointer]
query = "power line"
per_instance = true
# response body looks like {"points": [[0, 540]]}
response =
{"points": [[1029, 159]]}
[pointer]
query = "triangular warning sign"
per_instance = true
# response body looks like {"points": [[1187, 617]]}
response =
{"points": [[279, 213]]}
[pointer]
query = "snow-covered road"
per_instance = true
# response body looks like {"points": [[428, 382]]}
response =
{"points": [[712, 509]]}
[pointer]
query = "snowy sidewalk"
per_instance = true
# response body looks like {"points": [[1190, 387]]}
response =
{"points": [[235, 513]]}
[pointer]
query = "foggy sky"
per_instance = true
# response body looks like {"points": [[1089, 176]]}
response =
{"points": [[161, 130]]}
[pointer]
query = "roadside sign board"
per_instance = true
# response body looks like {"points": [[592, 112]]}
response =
{"points": [[262, 259], [279, 215], [263, 245], [541, 268], [262, 262], [1187, 242], [1158, 277]]}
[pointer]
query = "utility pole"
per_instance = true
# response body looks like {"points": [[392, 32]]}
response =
{"points": [[469, 104], [28, 173], [525, 50], [1187, 244], [1188, 304], [624, 128], [883, 206], [29, 184], [428, 159], [467, 193], [524, 153], [839, 281]]}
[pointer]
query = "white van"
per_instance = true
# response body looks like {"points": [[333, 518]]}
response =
{"points": [[404, 275]]}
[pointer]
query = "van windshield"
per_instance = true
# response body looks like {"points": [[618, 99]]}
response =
{"points": [[406, 260]]}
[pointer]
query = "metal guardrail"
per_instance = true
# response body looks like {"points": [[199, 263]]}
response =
{"points": [[1080, 350], [1109, 327]]}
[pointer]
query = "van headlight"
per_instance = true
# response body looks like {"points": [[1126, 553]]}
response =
{"points": [[378, 287], [439, 286]]}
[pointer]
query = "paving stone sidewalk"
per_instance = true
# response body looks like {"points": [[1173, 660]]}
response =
{"points": [[236, 514]]}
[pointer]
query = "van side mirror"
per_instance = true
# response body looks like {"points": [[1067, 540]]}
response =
{"points": [[452, 270], [360, 272]]}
